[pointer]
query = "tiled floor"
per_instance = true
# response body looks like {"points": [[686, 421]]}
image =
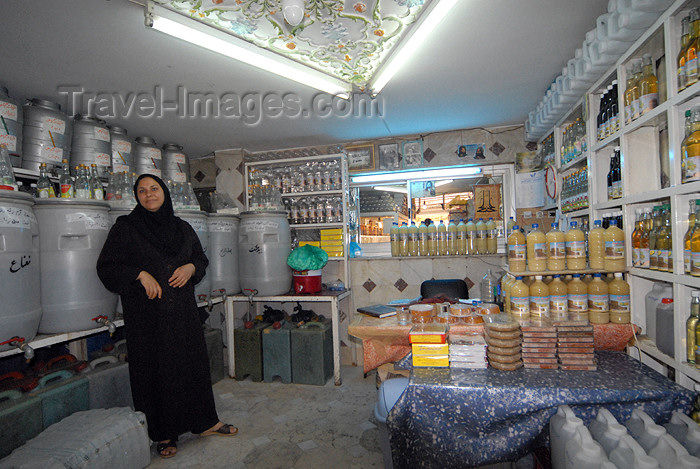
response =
{"points": [[288, 426]]}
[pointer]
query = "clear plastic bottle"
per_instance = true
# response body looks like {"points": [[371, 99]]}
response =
{"points": [[487, 287], [598, 301], [558, 298], [614, 248], [432, 240], [462, 238], [575, 248], [43, 184], [423, 240], [517, 250], [470, 229], [619, 293], [452, 243], [403, 240], [536, 250], [691, 324], [395, 242], [413, 240], [556, 248], [509, 226], [442, 239], [491, 240], [596, 246], [519, 298], [539, 299], [577, 293], [481, 237]]}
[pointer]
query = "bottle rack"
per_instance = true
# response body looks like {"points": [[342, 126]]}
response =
{"points": [[650, 149]]}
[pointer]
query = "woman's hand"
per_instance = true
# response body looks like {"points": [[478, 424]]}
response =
{"points": [[181, 276], [150, 284]]}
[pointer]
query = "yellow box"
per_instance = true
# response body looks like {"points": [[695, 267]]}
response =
{"points": [[332, 242], [431, 360], [335, 254], [332, 231], [332, 248], [430, 349], [312, 243]]}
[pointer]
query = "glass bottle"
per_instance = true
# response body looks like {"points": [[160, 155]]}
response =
{"points": [[43, 184], [636, 91], [628, 98], [617, 175], [680, 60], [442, 239], [649, 86], [394, 237], [66, 182], [98, 190], [432, 240], [691, 325], [403, 240], [644, 240], [691, 52], [423, 240], [481, 237], [688, 236], [684, 142], [664, 246], [653, 235], [637, 235], [692, 149], [614, 114]]}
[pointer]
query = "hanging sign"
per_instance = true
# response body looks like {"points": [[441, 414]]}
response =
{"points": [[487, 201]]}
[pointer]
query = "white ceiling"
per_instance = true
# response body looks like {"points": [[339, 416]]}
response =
{"points": [[488, 64]]}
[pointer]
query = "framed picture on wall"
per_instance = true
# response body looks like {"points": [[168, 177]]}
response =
{"points": [[413, 154], [360, 158], [389, 157]]}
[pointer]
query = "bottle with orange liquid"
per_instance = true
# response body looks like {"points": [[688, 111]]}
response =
{"points": [[556, 248], [517, 249], [577, 293], [539, 299], [558, 298], [598, 301], [536, 250], [575, 248], [619, 292], [614, 248]]}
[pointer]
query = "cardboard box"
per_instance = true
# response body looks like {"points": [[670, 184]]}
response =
{"points": [[431, 360], [430, 349]]}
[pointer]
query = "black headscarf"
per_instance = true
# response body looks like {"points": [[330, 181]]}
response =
{"points": [[160, 228]]}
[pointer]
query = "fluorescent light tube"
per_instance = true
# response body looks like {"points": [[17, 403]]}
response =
{"points": [[208, 37], [407, 46], [400, 190], [416, 175]]}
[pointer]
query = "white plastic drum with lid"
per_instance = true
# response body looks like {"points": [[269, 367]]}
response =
{"points": [[20, 302], [198, 221], [264, 243], [223, 253], [72, 235]]}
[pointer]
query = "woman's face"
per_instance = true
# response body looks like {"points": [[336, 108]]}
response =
{"points": [[150, 194]]}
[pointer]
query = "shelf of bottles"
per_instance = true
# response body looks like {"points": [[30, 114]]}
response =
{"points": [[453, 239], [574, 143], [574, 191]]}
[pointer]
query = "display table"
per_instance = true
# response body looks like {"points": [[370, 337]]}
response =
{"points": [[333, 298], [385, 341], [462, 418]]}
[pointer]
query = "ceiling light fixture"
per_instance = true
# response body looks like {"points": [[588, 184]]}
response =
{"points": [[400, 189], [190, 30], [417, 175], [407, 47], [293, 11]]}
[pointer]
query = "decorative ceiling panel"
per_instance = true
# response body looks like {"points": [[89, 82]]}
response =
{"points": [[346, 39]]}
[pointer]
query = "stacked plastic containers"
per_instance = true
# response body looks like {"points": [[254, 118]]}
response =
{"points": [[11, 126]]}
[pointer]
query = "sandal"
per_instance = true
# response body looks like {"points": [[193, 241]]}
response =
{"points": [[223, 430], [161, 447]]}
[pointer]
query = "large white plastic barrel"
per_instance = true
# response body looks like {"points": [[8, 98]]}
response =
{"points": [[122, 144], [73, 232], [46, 134], [147, 157], [91, 144], [223, 253], [198, 221], [264, 243], [176, 166], [20, 302], [11, 128]]}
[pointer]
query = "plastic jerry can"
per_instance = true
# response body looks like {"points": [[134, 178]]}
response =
{"points": [[665, 332], [277, 353], [644, 430], [672, 455], [248, 351], [109, 383], [215, 351], [61, 395], [686, 431], [606, 430], [583, 452], [562, 427], [312, 353], [629, 454], [15, 408], [651, 301]]}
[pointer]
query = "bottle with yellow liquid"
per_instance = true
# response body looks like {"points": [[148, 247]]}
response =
{"points": [[413, 240], [506, 283], [691, 156], [614, 248], [423, 240], [636, 80], [555, 240], [539, 299], [509, 226], [598, 301], [691, 52], [628, 98], [558, 298], [577, 293], [442, 239], [491, 239], [619, 292], [653, 234], [644, 240], [403, 240], [432, 240], [596, 246], [691, 325], [519, 298], [470, 229], [462, 238], [395, 243], [664, 243], [637, 237], [684, 143], [648, 86], [536, 250], [575, 248], [693, 226], [680, 59], [452, 239], [517, 250], [480, 237]]}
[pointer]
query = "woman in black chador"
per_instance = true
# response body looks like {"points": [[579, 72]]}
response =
{"points": [[153, 259]]}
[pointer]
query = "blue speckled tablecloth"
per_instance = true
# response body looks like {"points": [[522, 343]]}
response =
{"points": [[463, 418]]}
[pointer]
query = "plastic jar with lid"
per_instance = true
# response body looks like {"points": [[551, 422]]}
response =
{"points": [[536, 250], [421, 313], [516, 250]]}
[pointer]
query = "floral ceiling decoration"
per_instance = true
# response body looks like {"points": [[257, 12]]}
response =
{"points": [[345, 39]]}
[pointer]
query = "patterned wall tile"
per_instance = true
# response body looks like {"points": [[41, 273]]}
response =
{"points": [[400, 284], [369, 285]]}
